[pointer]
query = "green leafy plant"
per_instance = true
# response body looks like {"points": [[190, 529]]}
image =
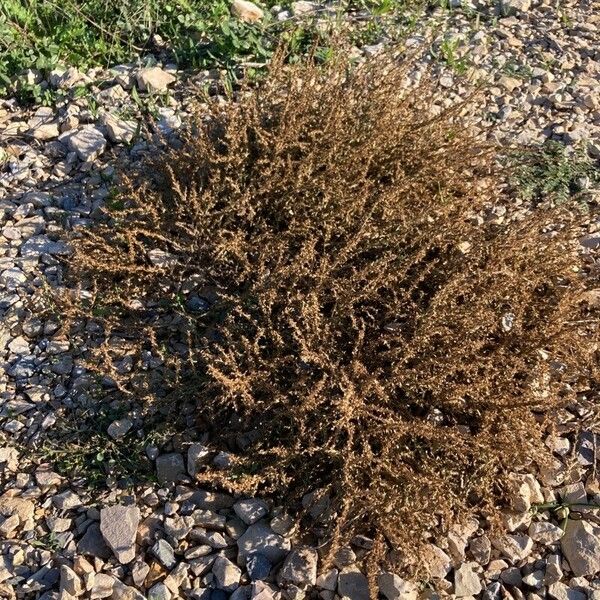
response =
{"points": [[448, 52], [552, 173], [562, 511], [44, 34]]}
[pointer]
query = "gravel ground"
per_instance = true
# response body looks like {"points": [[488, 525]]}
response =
{"points": [[64, 538]]}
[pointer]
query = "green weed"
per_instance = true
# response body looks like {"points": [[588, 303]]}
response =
{"points": [[551, 173], [46, 34]]}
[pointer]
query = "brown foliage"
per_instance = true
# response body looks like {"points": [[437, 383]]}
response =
{"points": [[366, 336]]}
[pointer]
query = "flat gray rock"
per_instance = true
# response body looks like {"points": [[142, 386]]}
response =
{"points": [[153, 79], [198, 455], [227, 575], [251, 510], [581, 547], [118, 525], [261, 538], [92, 543], [165, 554], [466, 581], [353, 584], [42, 244], [88, 143], [394, 587], [170, 468], [299, 568]]}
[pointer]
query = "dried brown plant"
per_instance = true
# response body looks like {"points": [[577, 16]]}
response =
{"points": [[362, 334]]}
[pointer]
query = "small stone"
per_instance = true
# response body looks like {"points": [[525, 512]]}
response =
{"points": [[514, 546], [58, 525], [513, 520], [19, 345], [574, 493], [481, 549], [227, 575], [534, 580], [222, 461], [67, 79], [492, 592], [82, 566], [261, 538], [178, 527], [13, 278], [113, 95], [458, 538], [545, 533], [126, 592], [196, 303], [299, 568], [246, 11], [120, 131], [177, 578], [511, 576], [581, 547], [316, 504], [67, 500], [41, 244], [436, 561], [46, 477], [209, 519], [466, 581], [118, 525], [264, 591], [164, 553], [509, 83], [169, 120], [328, 580], [139, 571], [43, 126], [353, 584], [250, 510], [283, 524], [8, 526], [559, 591], [362, 541], [554, 570], [93, 544], [244, 592], [170, 468], [304, 7], [509, 8], [154, 79], [258, 566], [524, 491], [344, 557], [70, 581], [588, 441], [88, 143], [159, 591], [198, 455], [201, 565], [394, 587], [235, 528], [118, 429], [212, 538], [103, 586]]}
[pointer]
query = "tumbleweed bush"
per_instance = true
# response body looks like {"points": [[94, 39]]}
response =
{"points": [[309, 270]]}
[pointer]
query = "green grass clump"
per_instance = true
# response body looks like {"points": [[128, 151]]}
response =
{"points": [[551, 173], [43, 34]]}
